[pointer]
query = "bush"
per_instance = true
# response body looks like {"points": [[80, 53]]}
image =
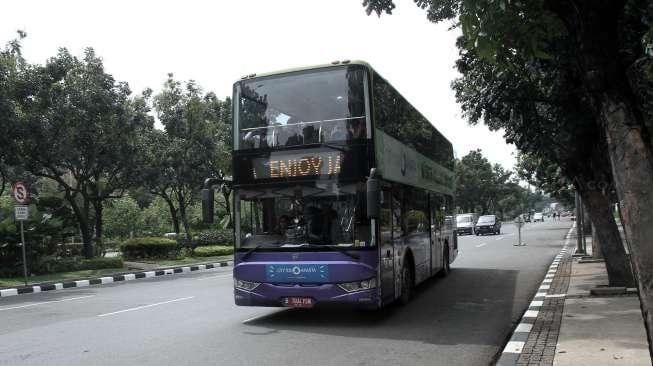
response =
{"points": [[151, 248], [213, 250], [211, 237], [52, 264]]}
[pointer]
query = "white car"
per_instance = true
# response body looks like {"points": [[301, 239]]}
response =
{"points": [[538, 216]]}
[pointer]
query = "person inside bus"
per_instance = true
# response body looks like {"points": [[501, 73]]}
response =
{"points": [[282, 225], [355, 129]]}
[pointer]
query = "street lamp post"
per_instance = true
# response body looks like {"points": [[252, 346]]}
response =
{"points": [[580, 248]]}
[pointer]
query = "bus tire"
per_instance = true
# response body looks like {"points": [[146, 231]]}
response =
{"points": [[446, 267], [407, 284]]}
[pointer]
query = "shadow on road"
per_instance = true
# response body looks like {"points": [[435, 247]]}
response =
{"points": [[471, 306]]}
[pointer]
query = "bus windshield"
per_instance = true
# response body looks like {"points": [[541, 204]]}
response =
{"points": [[320, 106], [303, 216]]}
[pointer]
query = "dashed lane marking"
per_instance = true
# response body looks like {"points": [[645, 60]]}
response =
{"points": [[481, 245], [146, 306], [46, 302], [214, 277]]}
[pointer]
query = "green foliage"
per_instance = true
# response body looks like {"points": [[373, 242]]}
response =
{"points": [[149, 248], [123, 218], [51, 264], [487, 189], [156, 218], [213, 250], [212, 237]]}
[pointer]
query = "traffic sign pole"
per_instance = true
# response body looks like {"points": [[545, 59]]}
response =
{"points": [[21, 212], [22, 239]]}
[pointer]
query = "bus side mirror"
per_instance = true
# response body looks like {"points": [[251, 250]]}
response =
{"points": [[207, 205], [373, 197]]}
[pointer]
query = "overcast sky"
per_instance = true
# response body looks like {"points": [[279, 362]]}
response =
{"points": [[215, 43]]}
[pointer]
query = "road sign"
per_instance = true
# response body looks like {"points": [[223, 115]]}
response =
{"points": [[20, 193], [21, 212]]}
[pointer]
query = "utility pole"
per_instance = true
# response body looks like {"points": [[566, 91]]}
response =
{"points": [[580, 232]]}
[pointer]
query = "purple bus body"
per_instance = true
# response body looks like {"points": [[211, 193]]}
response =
{"points": [[341, 269]]}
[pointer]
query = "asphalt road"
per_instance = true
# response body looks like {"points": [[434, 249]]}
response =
{"points": [[463, 319]]}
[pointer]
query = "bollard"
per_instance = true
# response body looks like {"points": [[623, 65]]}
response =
{"points": [[519, 222]]}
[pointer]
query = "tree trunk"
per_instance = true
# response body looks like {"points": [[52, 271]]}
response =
{"points": [[607, 232], [174, 215], [99, 227], [82, 216], [184, 216], [632, 166], [226, 193]]}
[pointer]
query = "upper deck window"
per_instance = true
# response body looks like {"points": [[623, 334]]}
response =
{"points": [[320, 106]]}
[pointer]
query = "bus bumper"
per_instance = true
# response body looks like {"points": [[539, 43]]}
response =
{"points": [[323, 295]]}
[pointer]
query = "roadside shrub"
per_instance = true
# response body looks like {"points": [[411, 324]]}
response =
{"points": [[149, 248], [51, 264], [213, 250], [211, 237]]}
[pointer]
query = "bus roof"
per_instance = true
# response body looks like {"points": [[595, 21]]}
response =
{"points": [[305, 68]]}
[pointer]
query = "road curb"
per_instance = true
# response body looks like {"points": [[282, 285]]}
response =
{"points": [[518, 340], [120, 277]]}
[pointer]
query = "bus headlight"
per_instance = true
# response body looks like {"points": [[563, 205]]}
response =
{"points": [[245, 285], [358, 285]]}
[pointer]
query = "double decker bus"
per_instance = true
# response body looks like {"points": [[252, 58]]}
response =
{"points": [[343, 191]]}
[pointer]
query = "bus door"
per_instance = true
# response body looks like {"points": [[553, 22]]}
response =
{"points": [[387, 250]]}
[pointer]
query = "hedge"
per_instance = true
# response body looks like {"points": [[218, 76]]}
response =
{"points": [[149, 248], [51, 264], [213, 250], [211, 237]]}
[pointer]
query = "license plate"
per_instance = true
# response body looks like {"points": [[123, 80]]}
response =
{"points": [[298, 302]]}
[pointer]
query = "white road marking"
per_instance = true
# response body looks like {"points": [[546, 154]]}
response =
{"points": [[481, 245], [531, 314], [545, 287], [547, 280], [9, 292], [540, 294], [45, 302], [82, 283], [556, 295], [513, 347], [536, 303], [499, 238], [524, 327], [218, 276], [146, 306]]}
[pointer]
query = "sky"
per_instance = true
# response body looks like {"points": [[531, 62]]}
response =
{"points": [[215, 43]]}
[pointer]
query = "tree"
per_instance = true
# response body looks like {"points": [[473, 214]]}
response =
{"points": [[489, 189], [77, 127], [194, 146], [603, 51], [604, 47], [123, 218]]}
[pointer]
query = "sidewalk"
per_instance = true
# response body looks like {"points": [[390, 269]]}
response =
{"points": [[599, 330]]}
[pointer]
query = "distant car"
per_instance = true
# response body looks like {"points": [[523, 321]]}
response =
{"points": [[488, 224], [538, 217], [465, 223]]}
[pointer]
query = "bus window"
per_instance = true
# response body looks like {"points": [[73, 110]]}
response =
{"points": [[416, 215], [300, 109]]}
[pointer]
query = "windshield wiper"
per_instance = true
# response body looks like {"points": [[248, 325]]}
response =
{"points": [[249, 252]]}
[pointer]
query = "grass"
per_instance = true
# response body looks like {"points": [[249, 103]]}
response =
{"points": [[187, 260], [58, 277]]}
